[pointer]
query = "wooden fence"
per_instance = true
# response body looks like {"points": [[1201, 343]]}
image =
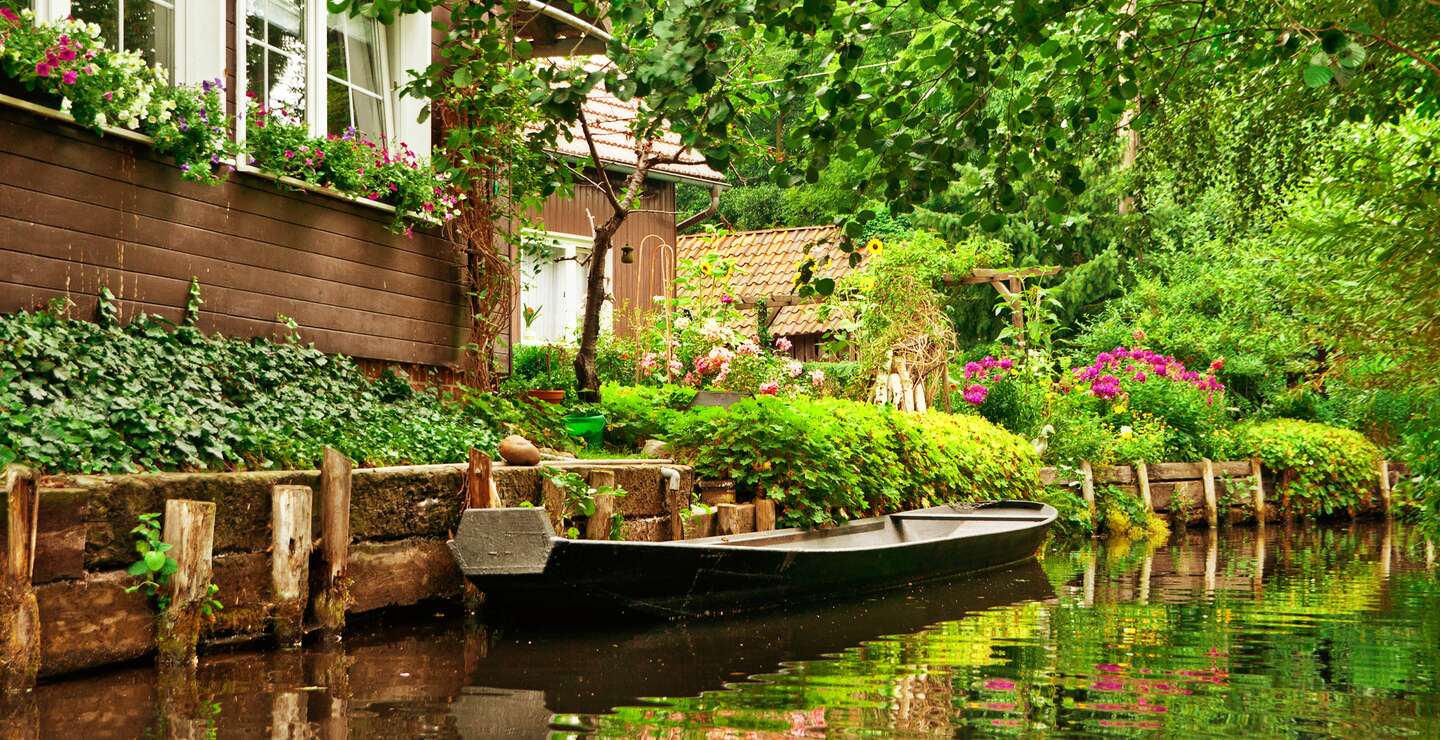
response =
{"points": [[1202, 491]]}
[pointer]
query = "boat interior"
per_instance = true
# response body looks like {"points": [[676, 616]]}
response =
{"points": [[936, 523]]}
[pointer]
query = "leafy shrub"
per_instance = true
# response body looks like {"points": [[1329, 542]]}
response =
{"points": [[828, 460], [542, 367], [1323, 469], [77, 396], [636, 413]]}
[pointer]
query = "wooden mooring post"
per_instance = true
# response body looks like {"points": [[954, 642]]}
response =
{"points": [[1142, 476], [480, 489], [1385, 485], [1259, 491], [19, 611], [333, 597], [190, 532], [290, 538], [1212, 509], [597, 527], [1087, 489], [764, 515]]}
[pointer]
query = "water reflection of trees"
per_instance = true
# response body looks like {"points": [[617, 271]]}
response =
{"points": [[1272, 631]]}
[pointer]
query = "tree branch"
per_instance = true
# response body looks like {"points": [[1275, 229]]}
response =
{"points": [[599, 165]]}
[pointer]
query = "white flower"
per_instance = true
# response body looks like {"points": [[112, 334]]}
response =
{"points": [[65, 104], [794, 369], [681, 322]]}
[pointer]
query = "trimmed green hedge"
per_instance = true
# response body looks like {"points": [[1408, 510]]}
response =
{"points": [[1324, 469], [828, 460]]}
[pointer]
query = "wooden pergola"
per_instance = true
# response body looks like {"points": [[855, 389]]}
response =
{"points": [[1009, 283]]}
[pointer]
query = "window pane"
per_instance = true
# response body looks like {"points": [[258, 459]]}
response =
{"points": [[369, 114], [337, 107], [276, 75], [104, 13], [352, 53]]}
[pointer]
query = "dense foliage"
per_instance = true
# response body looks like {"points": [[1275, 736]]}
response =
{"points": [[1319, 468], [828, 460], [79, 396]]}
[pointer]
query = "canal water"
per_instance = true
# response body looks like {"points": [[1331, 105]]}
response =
{"points": [[1279, 632]]}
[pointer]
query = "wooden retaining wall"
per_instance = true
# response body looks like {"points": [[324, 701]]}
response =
{"points": [[399, 519], [1200, 492]]}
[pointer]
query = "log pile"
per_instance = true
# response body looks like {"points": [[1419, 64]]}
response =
{"points": [[913, 372]]}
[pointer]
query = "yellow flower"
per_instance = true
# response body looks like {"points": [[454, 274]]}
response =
{"points": [[706, 269], [874, 246]]}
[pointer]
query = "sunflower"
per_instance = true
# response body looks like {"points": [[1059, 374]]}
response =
{"points": [[706, 269], [874, 246]]}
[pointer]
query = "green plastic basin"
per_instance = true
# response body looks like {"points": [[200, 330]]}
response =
{"points": [[590, 428]]}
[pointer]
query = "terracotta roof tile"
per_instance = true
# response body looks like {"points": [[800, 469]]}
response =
{"points": [[766, 263], [609, 118]]}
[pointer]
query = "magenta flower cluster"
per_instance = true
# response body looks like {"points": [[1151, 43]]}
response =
{"points": [[1138, 365], [986, 370]]}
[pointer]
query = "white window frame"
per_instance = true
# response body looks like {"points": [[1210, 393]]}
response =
{"points": [[403, 45], [573, 248], [199, 42]]}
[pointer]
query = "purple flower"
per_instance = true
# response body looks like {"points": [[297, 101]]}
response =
{"points": [[1000, 684], [69, 77], [1007, 363], [42, 69], [975, 394], [972, 369]]}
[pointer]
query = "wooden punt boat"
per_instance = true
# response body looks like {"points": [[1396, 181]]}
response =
{"points": [[515, 558]]}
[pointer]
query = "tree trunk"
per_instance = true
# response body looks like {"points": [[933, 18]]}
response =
{"points": [[587, 379]]}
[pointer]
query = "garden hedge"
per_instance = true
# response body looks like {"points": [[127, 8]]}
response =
{"points": [[1323, 469], [828, 460]]}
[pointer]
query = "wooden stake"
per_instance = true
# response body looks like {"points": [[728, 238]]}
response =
{"points": [[1255, 472], [1142, 476], [480, 489], [1087, 488], [290, 517], [945, 383], [1212, 560], [764, 515], [1147, 568], [190, 532], [333, 597], [1385, 485], [731, 519], [554, 501], [597, 527], [1212, 509], [19, 611]]}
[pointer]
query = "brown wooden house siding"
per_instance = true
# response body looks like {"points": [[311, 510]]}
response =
{"points": [[635, 285], [78, 212]]}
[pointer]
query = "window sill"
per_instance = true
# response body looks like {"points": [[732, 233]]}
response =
{"points": [[139, 138]]}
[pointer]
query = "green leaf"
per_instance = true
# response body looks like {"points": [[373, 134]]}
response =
{"points": [[154, 560], [1351, 56], [137, 568], [1317, 76], [825, 286]]}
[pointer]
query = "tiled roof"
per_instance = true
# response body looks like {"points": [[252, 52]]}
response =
{"points": [[766, 262], [609, 118]]}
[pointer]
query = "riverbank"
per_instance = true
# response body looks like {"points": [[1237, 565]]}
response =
{"points": [[398, 521], [1103, 633]]}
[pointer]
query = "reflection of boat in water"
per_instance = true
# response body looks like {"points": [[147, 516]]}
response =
{"points": [[595, 670], [514, 557]]}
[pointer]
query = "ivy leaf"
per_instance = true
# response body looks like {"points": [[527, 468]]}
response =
{"points": [[138, 568]]}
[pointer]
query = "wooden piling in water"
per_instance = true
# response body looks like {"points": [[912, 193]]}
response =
{"points": [[480, 489], [19, 611], [1259, 491], [597, 527], [1087, 489], [553, 499], [1212, 509], [332, 598], [764, 515], [190, 532], [1142, 476], [290, 538], [1385, 485]]}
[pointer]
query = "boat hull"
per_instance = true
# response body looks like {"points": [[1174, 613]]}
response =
{"points": [[744, 572]]}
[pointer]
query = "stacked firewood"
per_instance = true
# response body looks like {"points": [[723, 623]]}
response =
{"points": [[910, 369]]}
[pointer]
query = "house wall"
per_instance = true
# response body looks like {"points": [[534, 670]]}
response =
{"points": [[635, 284], [78, 211]]}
